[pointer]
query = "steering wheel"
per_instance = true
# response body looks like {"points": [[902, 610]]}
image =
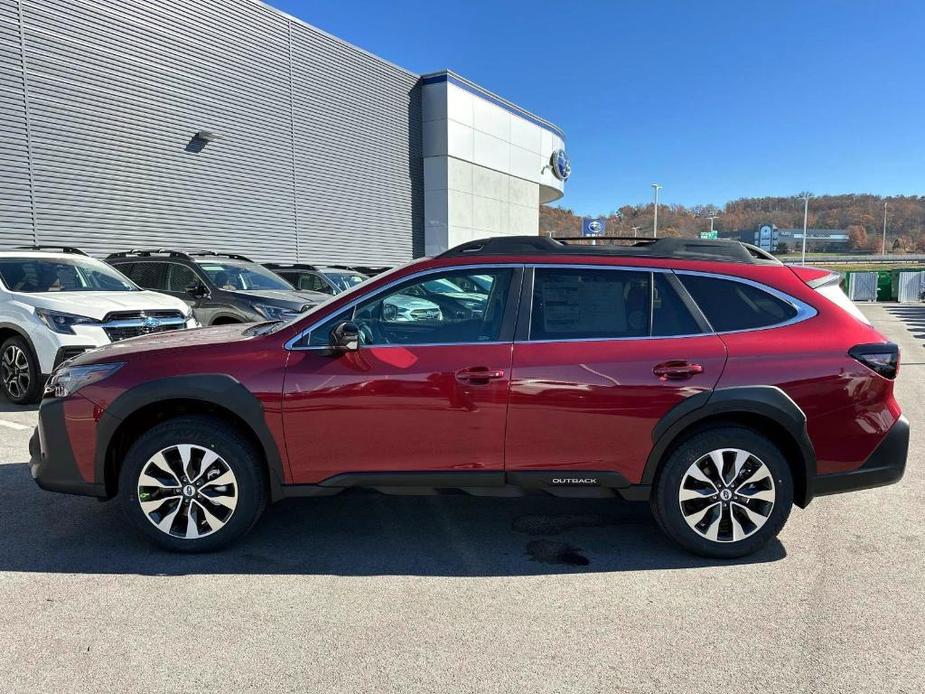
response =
{"points": [[366, 334]]}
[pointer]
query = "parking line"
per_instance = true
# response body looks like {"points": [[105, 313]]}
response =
{"points": [[14, 425]]}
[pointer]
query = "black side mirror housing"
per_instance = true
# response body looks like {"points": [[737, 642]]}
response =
{"points": [[345, 337], [197, 290]]}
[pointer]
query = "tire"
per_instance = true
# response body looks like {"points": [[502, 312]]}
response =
{"points": [[20, 376], [222, 487], [690, 502]]}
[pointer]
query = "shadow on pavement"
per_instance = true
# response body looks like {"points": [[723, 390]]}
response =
{"points": [[357, 534], [7, 406], [913, 315]]}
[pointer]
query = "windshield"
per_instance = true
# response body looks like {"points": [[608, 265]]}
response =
{"points": [[37, 275], [442, 286], [242, 276], [345, 280]]}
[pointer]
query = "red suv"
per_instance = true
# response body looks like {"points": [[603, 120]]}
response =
{"points": [[703, 376]]}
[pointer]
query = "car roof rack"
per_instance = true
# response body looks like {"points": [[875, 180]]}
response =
{"points": [[290, 266], [147, 252], [362, 269], [665, 247], [233, 256], [64, 249]]}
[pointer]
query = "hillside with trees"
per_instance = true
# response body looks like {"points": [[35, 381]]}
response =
{"points": [[861, 215]]}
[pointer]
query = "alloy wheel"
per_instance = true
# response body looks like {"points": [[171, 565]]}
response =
{"points": [[727, 495], [15, 372], [187, 491]]}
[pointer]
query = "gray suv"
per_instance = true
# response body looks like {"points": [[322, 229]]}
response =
{"points": [[220, 287]]}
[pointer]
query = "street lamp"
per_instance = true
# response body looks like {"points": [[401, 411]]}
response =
{"points": [[656, 187], [883, 243], [635, 231], [806, 197], [711, 218]]}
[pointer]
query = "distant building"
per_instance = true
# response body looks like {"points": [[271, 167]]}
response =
{"points": [[770, 238]]}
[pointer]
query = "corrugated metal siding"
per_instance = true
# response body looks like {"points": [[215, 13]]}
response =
{"points": [[117, 90], [16, 223]]}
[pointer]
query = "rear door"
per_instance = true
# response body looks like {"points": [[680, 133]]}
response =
{"points": [[601, 355]]}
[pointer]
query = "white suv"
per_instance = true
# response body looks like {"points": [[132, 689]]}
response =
{"points": [[56, 305]]}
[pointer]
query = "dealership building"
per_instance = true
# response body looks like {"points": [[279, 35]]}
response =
{"points": [[229, 125]]}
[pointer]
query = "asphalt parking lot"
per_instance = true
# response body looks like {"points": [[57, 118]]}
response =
{"points": [[371, 593]]}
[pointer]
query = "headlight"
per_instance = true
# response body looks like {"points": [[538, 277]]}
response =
{"points": [[276, 312], [62, 322], [67, 380]]}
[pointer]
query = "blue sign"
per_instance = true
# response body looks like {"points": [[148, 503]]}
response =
{"points": [[593, 227], [560, 164]]}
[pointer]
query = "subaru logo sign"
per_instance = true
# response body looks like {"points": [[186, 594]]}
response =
{"points": [[150, 322], [560, 164], [593, 227]]}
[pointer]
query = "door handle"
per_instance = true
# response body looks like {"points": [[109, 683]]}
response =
{"points": [[479, 375], [676, 370]]}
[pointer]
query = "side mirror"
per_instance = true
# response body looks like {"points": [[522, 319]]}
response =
{"points": [[345, 337], [197, 290]]}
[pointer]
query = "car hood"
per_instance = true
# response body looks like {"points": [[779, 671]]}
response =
{"points": [[286, 296], [193, 337], [409, 302], [97, 305]]}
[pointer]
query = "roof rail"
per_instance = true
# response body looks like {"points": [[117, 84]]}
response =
{"points": [[290, 266], [665, 247], [63, 249], [233, 256], [146, 252]]}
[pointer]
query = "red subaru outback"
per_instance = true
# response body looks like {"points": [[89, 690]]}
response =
{"points": [[703, 376]]}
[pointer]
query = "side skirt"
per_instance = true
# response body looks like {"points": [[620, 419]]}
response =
{"points": [[583, 484]]}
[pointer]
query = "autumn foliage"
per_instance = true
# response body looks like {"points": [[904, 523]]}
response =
{"points": [[861, 215]]}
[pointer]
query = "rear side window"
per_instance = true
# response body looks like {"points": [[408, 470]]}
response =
{"points": [[731, 305], [670, 315], [579, 303]]}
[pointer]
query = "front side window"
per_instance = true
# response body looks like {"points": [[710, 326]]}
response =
{"points": [[180, 278], [345, 280], [731, 305], [38, 275], [428, 311], [242, 276], [578, 303]]}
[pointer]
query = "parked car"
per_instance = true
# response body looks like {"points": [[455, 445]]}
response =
{"points": [[220, 288], [703, 376], [55, 305], [315, 278]]}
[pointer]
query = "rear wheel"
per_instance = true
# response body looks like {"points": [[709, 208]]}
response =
{"points": [[193, 484], [723, 493], [19, 372]]}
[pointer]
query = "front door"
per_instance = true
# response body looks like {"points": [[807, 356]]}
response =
{"points": [[608, 352], [427, 391]]}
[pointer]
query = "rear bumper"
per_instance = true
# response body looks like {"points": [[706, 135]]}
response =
{"points": [[52, 461], [885, 465]]}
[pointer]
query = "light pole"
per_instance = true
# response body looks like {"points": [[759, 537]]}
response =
{"points": [[711, 218], [635, 232], [656, 187], [806, 197], [883, 243]]}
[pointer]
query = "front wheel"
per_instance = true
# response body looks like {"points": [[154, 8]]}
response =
{"points": [[723, 493], [19, 372], [193, 484]]}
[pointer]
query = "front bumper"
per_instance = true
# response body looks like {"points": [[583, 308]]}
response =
{"points": [[885, 465], [52, 462]]}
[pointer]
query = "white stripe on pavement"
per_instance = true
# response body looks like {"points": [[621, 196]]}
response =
{"points": [[14, 425]]}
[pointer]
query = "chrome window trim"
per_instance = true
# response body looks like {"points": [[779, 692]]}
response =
{"points": [[804, 310], [291, 342]]}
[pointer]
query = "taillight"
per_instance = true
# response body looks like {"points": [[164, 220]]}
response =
{"points": [[881, 357]]}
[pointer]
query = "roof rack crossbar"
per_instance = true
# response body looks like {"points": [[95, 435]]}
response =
{"points": [[147, 252]]}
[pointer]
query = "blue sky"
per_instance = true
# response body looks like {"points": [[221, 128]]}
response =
{"points": [[714, 100]]}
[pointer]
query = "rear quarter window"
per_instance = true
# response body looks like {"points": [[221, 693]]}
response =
{"points": [[731, 305]]}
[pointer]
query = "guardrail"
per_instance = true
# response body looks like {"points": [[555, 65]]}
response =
{"points": [[856, 260]]}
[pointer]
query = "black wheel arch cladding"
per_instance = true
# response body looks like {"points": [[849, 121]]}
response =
{"points": [[765, 402], [218, 390]]}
